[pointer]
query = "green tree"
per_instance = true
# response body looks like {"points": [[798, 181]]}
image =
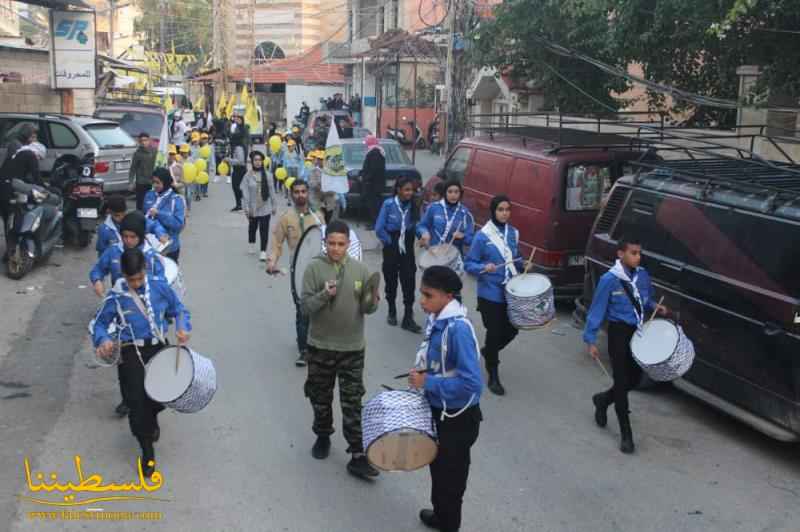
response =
{"points": [[187, 25]]}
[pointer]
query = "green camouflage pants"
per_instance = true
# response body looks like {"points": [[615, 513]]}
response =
{"points": [[323, 368]]}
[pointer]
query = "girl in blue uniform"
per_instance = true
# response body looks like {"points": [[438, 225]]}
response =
{"points": [[108, 232], [452, 384], [140, 306], [163, 204], [448, 220], [494, 259], [395, 229]]}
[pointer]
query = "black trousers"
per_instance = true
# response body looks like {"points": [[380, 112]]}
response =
{"points": [[141, 191], [400, 267], [236, 183], [499, 331], [625, 370], [373, 202], [258, 224], [143, 410], [174, 255], [450, 469]]}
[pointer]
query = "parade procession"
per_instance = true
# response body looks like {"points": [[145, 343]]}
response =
{"points": [[396, 266]]}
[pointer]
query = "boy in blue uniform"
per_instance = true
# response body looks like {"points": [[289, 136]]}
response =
{"points": [[140, 307], [395, 229], [168, 208], [447, 220], [452, 384], [494, 259], [623, 296], [108, 231]]}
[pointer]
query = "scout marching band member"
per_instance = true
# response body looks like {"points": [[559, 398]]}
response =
{"points": [[452, 384], [168, 208], [258, 203], [290, 227], [132, 230], [622, 297], [395, 229], [140, 306], [108, 232], [238, 164], [494, 259], [448, 221], [332, 297], [292, 159]]}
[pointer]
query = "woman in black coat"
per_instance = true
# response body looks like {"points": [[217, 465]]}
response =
{"points": [[373, 178]]}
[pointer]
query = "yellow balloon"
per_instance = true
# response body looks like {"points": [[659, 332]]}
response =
{"points": [[289, 182], [222, 168], [281, 174], [201, 165], [202, 178], [189, 173], [205, 151], [275, 143], [309, 164]]}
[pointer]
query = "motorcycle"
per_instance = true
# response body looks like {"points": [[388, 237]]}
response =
{"points": [[83, 198], [434, 143], [35, 226], [400, 136]]}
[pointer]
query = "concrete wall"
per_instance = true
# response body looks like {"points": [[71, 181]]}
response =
{"points": [[32, 65], [297, 94], [25, 98]]}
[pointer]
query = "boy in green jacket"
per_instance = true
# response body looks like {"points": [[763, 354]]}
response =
{"points": [[336, 296]]}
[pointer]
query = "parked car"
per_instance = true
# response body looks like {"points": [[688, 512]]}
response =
{"points": [[354, 151], [556, 189], [720, 241], [69, 137], [135, 118], [315, 135]]}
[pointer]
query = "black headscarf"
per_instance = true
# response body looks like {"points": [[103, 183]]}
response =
{"points": [[496, 201], [135, 223], [265, 191], [164, 176], [447, 186]]}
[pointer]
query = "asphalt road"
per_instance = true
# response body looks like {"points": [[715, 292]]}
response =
{"points": [[243, 463]]}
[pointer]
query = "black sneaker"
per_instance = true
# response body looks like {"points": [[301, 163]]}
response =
{"points": [[429, 519], [156, 433], [302, 361], [122, 409], [600, 407], [148, 467], [391, 319], [360, 467], [410, 325], [321, 448]]}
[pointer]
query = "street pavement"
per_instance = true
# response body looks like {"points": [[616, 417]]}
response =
{"points": [[244, 463]]}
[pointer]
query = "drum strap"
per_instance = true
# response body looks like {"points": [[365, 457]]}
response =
{"points": [[401, 242], [448, 222], [500, 241]]}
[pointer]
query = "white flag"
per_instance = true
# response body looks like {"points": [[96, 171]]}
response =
{"points": [[163, 145], [334, 173]]}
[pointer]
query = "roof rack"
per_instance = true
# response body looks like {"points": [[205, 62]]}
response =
{"points": [[706, 156]]}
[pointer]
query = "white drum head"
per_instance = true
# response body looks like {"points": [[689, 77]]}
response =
{"points": [[170, 269], [528, 284], [441, 255], [655, 343], [162, 382]]}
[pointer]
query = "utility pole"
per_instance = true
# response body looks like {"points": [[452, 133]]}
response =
{"points": [[111, 23], [448, 75], [161, 26], [456, 76]]}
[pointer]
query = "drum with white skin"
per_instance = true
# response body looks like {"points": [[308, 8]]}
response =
{"points": [[398, 431], [530, 299], [662, 350], [173, 275], [181, 379], [442, 255]]}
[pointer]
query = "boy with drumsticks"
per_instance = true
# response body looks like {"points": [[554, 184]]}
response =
{"points": [[622, 297], [338, 292]]}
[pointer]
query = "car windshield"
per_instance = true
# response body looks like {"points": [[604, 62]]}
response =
{"points": [[134, 122], [110, 136], [354, 154]]}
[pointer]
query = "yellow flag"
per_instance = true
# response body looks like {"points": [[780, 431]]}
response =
{"points": [[244, 98], [221, 101], [229, 108], [200, 103], [251, 115], [167, 103]]}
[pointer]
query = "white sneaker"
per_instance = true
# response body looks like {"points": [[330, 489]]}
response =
{"points": [[228, 180], [252, 250], [263, 256]]}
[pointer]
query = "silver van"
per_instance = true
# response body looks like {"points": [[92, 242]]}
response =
{"points": [[73, 137]]}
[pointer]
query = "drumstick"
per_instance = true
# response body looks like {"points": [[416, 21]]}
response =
{"points": [[501, 265], [530, 260], [387, 387], [655, 310], [405, 375], [603, 368]]}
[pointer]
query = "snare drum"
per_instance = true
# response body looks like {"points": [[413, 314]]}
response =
{"points": [[113, 332], [173, 275], [156, 244], [442, 255], [187, 388], [530, 299], [398, 431], [662, 350]]}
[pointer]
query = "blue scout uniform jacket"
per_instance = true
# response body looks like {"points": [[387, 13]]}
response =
{"points": [[171, 214], [482, 252], [109, 264], [610, 302], [390, 220], [435, 222], [108, 233]]}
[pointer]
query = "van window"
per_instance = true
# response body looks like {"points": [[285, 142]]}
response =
{"points": [[457, 165], [522, 186], [587, 185]]}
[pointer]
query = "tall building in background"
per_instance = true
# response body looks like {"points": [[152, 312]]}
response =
{"points": [[115, 35], [9, 19]]}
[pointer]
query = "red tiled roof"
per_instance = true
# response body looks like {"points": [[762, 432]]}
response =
{"points": [[308, 68]]}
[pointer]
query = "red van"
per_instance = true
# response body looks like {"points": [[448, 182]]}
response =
{"points": [[557, 181]]}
